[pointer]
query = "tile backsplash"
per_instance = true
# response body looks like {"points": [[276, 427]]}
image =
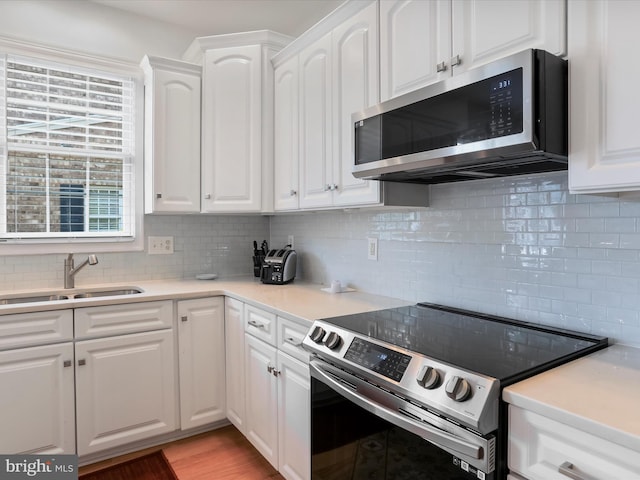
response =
{"points": [[202, 244], [520, 247]]}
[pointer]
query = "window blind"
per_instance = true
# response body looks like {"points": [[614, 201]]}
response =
{"points": [[69, 151]]}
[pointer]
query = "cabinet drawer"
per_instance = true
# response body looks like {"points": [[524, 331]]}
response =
{"points": [[35, 328], [539, 448], [260, 324], [290, 337], [120, 319]]}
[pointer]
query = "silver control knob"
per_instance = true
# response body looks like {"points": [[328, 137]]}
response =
{"points": [[333, 341], [428, 377], [458, 389], [317, 335]]}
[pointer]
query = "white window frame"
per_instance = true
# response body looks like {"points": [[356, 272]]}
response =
{"points": [[82, 244]]}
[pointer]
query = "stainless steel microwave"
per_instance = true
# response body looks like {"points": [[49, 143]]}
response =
{"points": [[508, 117]]}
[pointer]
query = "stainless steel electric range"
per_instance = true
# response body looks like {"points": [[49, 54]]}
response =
{"points": [[414, 392]]}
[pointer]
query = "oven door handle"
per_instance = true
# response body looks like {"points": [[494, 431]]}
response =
{"points": [[433, 434]]}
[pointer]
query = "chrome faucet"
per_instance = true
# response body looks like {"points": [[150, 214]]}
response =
{"points": [[70, 271]]}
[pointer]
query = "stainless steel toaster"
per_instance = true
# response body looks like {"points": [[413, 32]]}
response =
{"points": [[279, 266]]}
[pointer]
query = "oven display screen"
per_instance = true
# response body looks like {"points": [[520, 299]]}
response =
{"points": [[378, 359]]}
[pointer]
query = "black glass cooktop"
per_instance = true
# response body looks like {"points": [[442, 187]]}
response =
{"points": [[505, 349]]}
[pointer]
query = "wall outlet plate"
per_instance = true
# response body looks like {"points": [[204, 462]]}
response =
{"points": [[372, 248], [160, 245]]}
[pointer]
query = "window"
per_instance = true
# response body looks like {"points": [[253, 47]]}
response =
{"points": [[66, 152]]}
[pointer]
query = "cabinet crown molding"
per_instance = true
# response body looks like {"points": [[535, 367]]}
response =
{"points": [[268, 38], [341, 14], [148, 63]]}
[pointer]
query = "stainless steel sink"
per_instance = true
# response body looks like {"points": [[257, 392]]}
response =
{"points": [[107, 293], [32, 299], [67, 295]]}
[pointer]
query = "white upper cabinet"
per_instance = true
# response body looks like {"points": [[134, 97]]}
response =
{"points": [[415, 36], [172, 136], [422, 42], [286, 106], [237, 120], [232, 133], [355, 87], [335, 70], [316, 179], [604, 146]]}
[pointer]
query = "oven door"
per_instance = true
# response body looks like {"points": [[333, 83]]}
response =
{"points": [[359, 431]]}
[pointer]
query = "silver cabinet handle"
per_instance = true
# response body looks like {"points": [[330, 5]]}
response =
{"points": [[184, 319], [276, 372], [207, 196], [253, 323], [82, 361], [566, 469], [293, 341], [327, 187], [441, 67], [334, 186], [457, 60], [292, 193]]}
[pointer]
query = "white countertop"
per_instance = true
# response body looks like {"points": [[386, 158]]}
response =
{"points": [[306, 302], [599, 394]]}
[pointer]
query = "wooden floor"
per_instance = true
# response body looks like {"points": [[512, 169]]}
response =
{"points": [[221, 454]]}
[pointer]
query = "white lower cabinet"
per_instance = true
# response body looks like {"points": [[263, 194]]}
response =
{"points": [[201, 361], [234, 351], [125, 389], [541, 448], [261, 390], [270, 404], [37, 400]]}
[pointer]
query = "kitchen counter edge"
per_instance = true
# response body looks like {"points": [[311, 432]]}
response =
{"points": [[598, 394]]}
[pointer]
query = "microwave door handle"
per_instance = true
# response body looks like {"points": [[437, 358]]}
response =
{"points": [[430, 433]]}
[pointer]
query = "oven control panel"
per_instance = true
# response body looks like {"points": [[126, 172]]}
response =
{"points": [[460, 394], [377, 358]]}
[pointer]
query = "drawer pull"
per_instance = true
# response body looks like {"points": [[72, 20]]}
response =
{"points": [[82, 361], [293, 341], [66, 363], [567, 470], [184, 319], [253, 323]]}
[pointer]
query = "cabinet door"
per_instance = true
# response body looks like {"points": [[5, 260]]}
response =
{"points": [[172, 141], [125, 389], [543, 449], [604, 147], [355, 87], [37, 407], [294, 418], [261, 389], [485, 30], [286, 130], [315, 125], [232, 130], [202, 361], [415, 36], [234, 351]]}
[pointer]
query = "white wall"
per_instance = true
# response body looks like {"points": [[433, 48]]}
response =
{"points": [[520, 247], [87, 27]]}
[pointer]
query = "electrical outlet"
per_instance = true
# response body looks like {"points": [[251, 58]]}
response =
{"points": [[372, 248], [160, 245], [290, 241]]}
